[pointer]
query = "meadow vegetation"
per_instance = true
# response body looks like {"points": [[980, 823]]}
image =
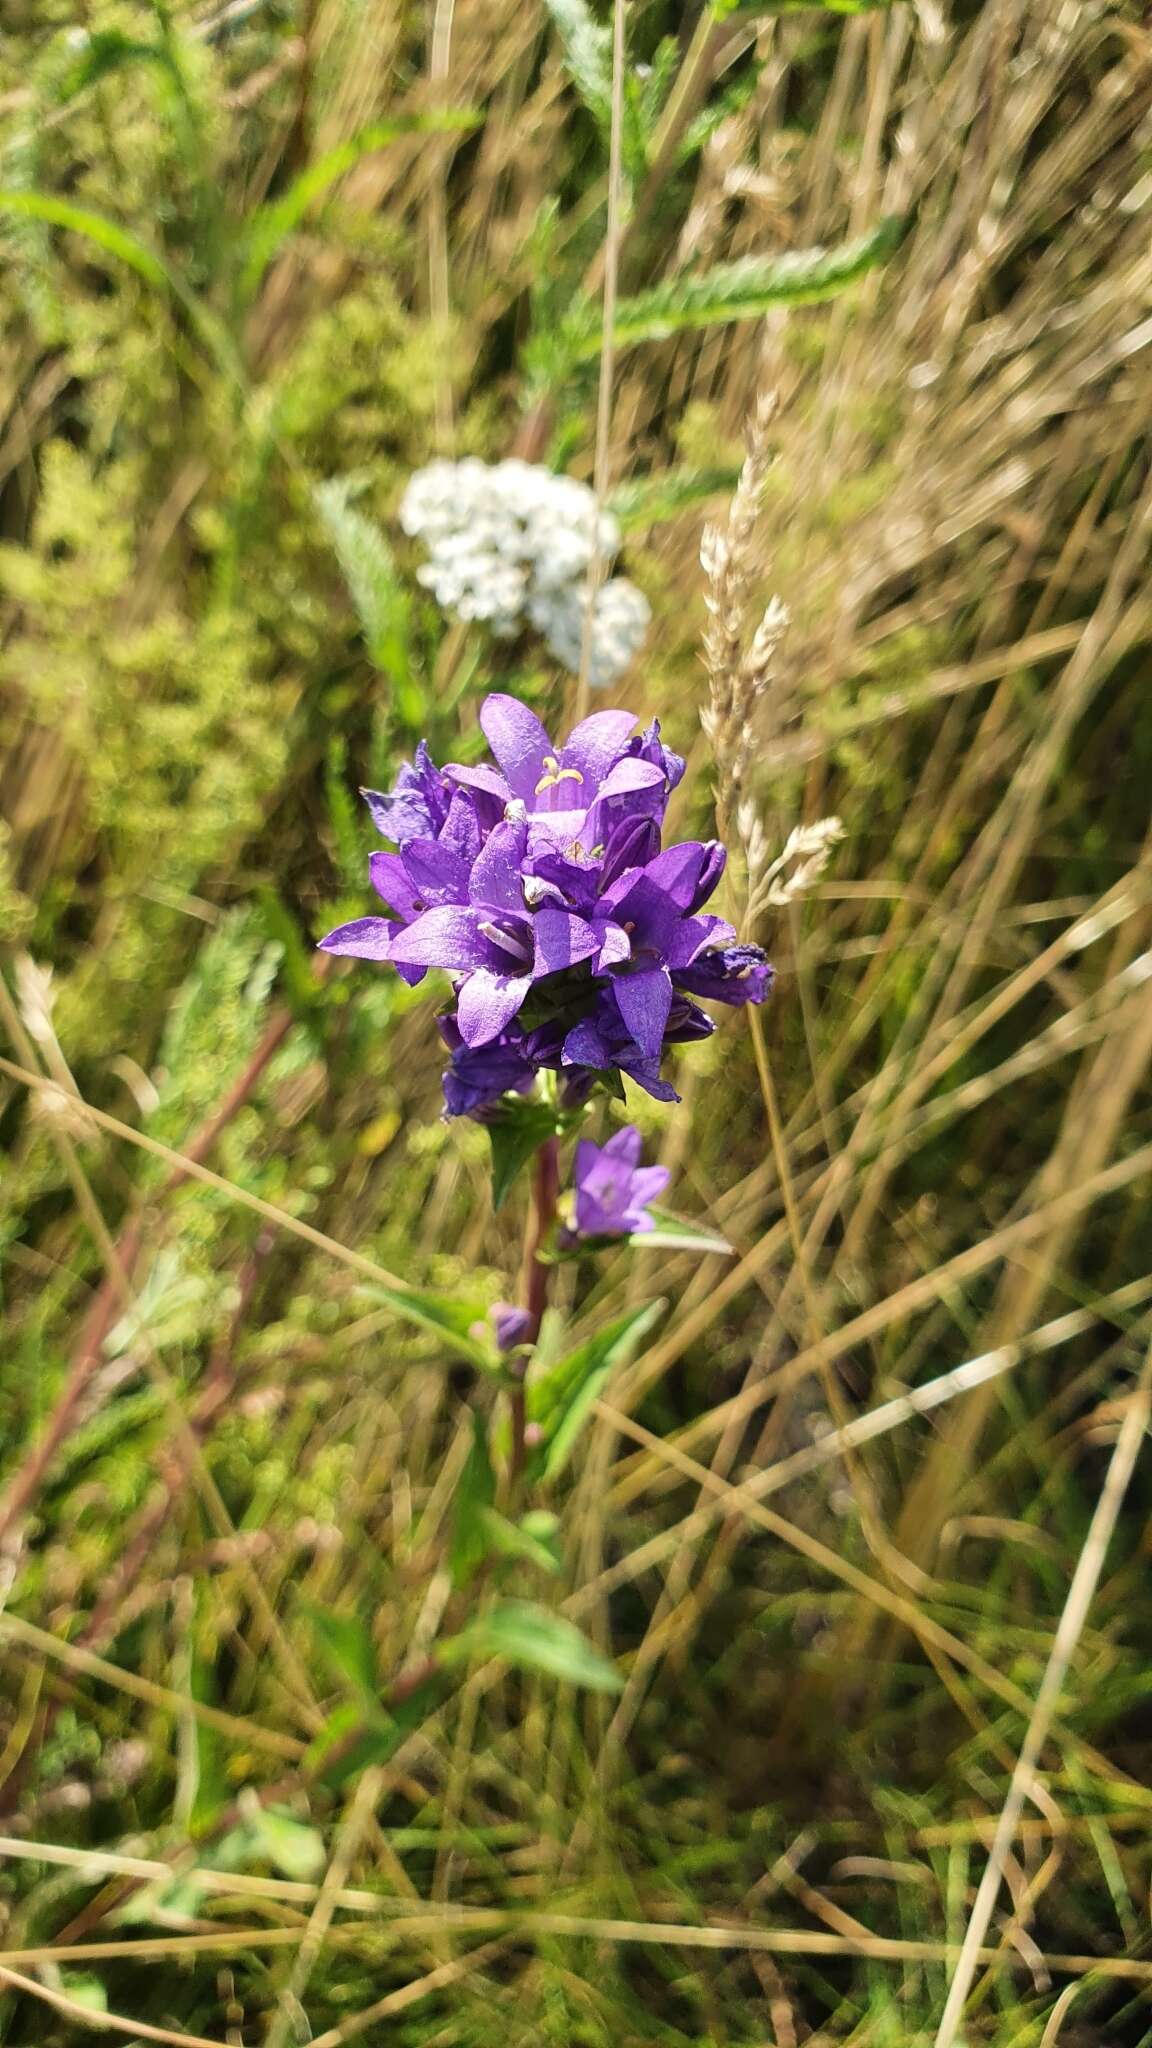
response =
{"points": [[258, 263]]}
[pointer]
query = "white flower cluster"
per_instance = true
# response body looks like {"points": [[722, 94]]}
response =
{"points": [[510, 543]]}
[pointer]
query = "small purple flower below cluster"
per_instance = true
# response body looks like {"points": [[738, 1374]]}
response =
{"points": [[611, 1190], [574, 940]]}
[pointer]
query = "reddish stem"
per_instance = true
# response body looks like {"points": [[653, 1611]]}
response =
{"points": [[535, 1278]]}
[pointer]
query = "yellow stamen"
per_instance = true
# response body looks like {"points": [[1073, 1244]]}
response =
{"points": [[554, 773]]}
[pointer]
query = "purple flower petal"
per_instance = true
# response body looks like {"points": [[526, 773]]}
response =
{"points": [[644, 1001], [615, 947], [648, 1182], [693, 934], [518, 741], [555, 831], [562, 939], [449, 937], [611, 1188], [477, 1079], [437, 874], [631, 844], [393, 884], [461, 831], [416, 806], [627, 776], [588, 1046], [687, 1022], [625, 1146], [596, 744], [646, 1074], [366, 938], [512, 1326], [728, 974], [715, 862], [676, 872], [488, 1002], [565, 883], [482, 778], [495, 878], [649, 746]]}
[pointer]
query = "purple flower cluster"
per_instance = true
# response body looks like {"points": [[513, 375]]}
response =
{"points": [[574, 941]]}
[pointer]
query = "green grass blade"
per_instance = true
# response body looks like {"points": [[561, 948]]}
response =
{"points": [[136, 255], [271, 226], [725, 9], [95, 227]]}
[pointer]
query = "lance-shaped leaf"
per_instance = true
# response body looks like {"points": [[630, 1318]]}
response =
{"points": [[475, 1493], [358, 1734], [532, 1540], [560, 1401], [534, 1639], [446, 1315], [347, 1644], [673, 1234]]}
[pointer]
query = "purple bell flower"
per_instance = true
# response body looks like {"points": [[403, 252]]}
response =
{"points": [[612, 1189]]}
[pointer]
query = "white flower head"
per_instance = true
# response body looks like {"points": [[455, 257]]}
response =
{"points": [[511, 543]]}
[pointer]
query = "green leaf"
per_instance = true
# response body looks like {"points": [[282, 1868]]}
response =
{"points": [[84, 1990], [105, 50], [446, 1315], [94, 227], [344, 815], [731, 291], [534, 1639], [272, 224], [587, 55], [561, 1400], [646, 500], [116, 241], [647, 94], [347, 1644], [700, 131], [474, 1496], [357, 1735], [305, 995], [533, 1540], [671, 1234], [517, 1130], [172, 1306], [294, 1849], [350, 1740], [376, 590]]}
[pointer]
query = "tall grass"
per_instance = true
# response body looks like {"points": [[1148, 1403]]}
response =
{"points": [[829, 1518]]}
